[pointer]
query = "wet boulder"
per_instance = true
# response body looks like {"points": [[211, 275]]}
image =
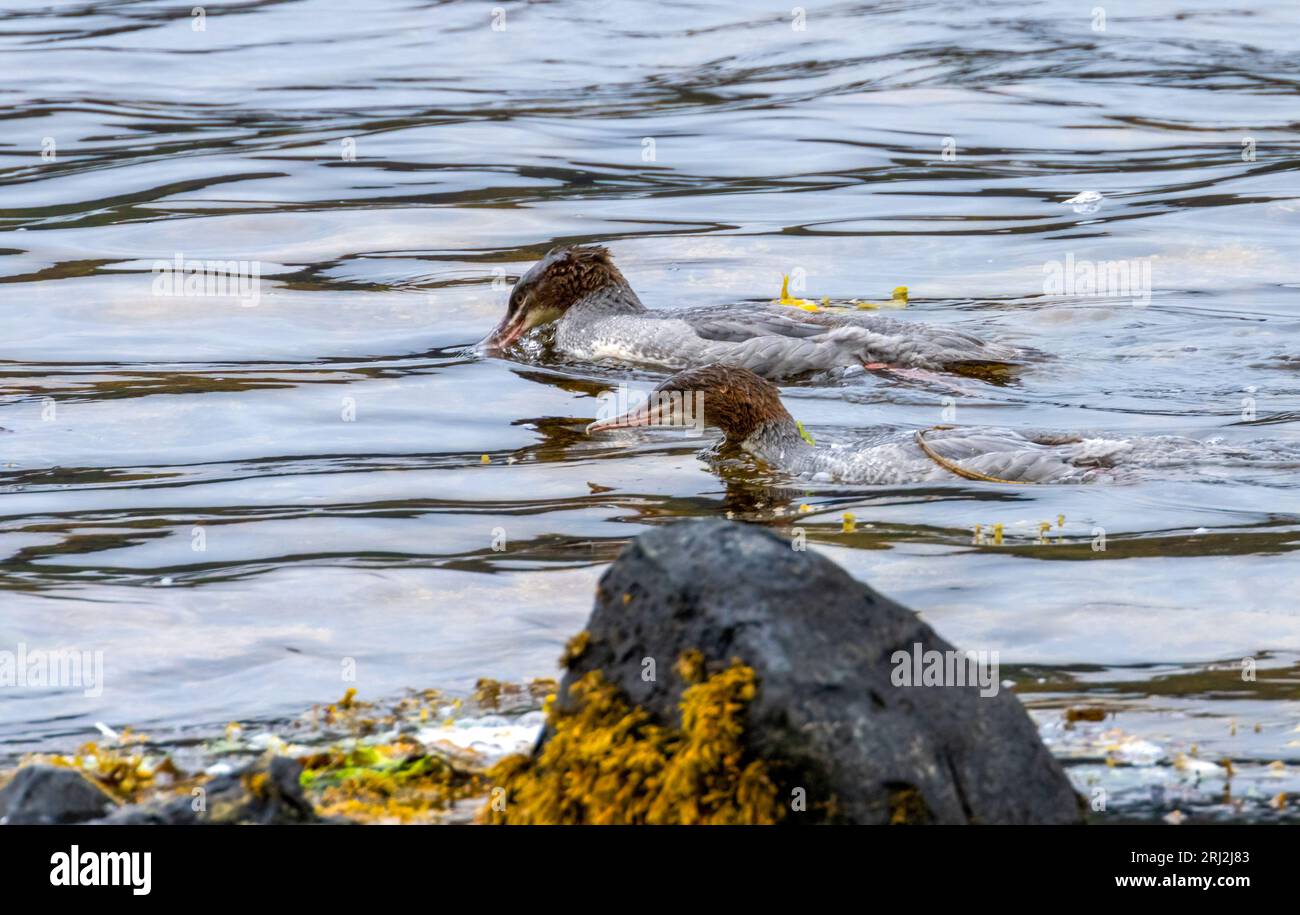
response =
{"points": [[48, 795], [266, 793], [843, 715]]}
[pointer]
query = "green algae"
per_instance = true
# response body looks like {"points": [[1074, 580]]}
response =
{"points": [[386, 784]]}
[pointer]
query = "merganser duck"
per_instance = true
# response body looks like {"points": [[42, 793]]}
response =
{"points": [[748, 410], [598, 317]]}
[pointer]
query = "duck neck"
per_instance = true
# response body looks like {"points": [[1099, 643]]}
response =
{"points": [[613, 299], [778, 441]]}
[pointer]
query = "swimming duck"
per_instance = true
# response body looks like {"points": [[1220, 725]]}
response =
{"points": [[748, 410], [598, 317]]}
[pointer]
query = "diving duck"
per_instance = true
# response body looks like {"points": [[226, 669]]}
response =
{"points": [[598, 318], [748, 410]]}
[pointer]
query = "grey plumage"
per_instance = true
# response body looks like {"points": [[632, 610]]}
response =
{"points": [[764, 339], [598, 317]]}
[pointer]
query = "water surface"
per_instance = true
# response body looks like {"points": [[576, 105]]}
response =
{"points": [[234, 502]]}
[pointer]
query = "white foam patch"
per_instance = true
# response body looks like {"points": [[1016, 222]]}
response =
{"points": [[492, 736]]}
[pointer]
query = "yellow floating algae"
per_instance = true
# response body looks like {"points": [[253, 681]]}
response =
{"points": [[787, 299], [897, 299], [608, 763]]}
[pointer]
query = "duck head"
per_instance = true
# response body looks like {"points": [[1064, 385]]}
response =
{"points": [[564, 277], [734, 399]]}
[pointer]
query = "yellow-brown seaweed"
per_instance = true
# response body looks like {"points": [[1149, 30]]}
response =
{"points": [[609, 763]]}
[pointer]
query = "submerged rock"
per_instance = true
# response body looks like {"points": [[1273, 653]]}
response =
{"points": [[839, 740], [48, 795], [267, 793]]}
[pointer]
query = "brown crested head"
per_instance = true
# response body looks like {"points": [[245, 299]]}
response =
{"points": [[735, 399], [732, 398], [565, 276]]}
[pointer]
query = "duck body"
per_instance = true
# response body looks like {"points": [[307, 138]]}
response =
{"points": [[749, 411], [763, 340], [895, 457], [601, 319], [990, 454]]}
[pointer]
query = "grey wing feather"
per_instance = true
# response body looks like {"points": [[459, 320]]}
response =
{"points": [[733, 325], [882, 339]]}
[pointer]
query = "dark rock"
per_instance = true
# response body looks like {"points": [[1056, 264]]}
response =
{"points": [[828, 717], [266, 793], [46, 795]]}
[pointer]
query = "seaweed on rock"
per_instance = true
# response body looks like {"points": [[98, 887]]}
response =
{"points": [[608, 762]]}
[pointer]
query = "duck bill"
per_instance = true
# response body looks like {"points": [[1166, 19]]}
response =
{"points": [[644, 415], [506, 333]]}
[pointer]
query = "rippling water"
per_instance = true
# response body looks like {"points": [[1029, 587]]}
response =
{"points": [[233, 499]]}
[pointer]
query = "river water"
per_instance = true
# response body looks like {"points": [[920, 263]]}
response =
{"points": [[240, 500]]}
